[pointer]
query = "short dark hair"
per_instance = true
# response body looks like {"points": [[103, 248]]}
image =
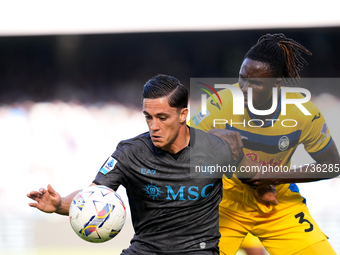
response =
{"points": [[163, 85], [281, 53]]}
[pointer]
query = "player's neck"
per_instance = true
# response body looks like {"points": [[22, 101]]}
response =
{"points": [[267, 118]]}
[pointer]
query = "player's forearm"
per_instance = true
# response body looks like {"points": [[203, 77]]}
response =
{"points": [[327, 166], [247, 168], [64, 207], [268, 175], [307, 173]]}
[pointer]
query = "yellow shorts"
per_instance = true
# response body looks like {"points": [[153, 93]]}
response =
{"points": [[288, 229], [251, 241]]}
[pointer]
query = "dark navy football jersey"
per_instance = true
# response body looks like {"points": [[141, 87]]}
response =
{"points": [[172, 212]]}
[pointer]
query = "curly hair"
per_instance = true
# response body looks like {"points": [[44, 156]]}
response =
{"points": [[282, 54]]}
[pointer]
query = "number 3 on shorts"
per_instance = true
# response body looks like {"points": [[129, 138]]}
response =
{"points": [[301, 216]]}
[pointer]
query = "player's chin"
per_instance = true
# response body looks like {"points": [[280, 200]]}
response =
{"points": [[158, 143]]}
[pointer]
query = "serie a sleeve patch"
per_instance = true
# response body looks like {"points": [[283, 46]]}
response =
{"points": [[108, 166], [200, 117]]}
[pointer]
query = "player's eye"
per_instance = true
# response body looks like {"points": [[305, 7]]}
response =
{"points": [[162, 118], [148, 117]]}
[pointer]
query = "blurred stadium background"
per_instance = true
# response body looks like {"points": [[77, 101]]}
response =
{"points": [[71, 74]]}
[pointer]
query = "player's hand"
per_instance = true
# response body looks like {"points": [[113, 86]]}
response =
{"points": [[265, 192], [266, 195], [47, 200], [233, 138]]}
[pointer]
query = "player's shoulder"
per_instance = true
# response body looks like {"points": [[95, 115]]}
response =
{"points": [[222, 102], [227, 93], [135, 143], [207, 141], [213, 148]]}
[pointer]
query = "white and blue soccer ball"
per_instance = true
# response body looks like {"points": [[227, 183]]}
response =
{"points": [[97, 214]]}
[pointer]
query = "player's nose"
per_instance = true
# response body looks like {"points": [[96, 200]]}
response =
{"points": [[154, 125], [244, 87]]}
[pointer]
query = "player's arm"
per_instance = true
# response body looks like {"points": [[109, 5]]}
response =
{"points": [[234, 141], [264, 194], [327, 166], [50, 201], [233, 138]]}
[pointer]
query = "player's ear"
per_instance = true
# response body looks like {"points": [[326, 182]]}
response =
{"points": [[183, 115]]}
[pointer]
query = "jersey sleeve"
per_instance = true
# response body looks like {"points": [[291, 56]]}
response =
{"points": [[316, 136], [229, 161], [217, 154], [112, 173]]}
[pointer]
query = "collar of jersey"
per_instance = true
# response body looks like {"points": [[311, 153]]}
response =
{"points": [[192, 137]]}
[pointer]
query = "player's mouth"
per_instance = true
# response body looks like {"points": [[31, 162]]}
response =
{"points": [[156, 138]]}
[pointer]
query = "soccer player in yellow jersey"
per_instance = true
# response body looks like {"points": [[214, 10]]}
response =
{"points": [[271, 139]]}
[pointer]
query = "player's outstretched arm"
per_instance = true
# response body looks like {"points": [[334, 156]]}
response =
{"points": [[327, 166], [50, 201], [47, 200]]}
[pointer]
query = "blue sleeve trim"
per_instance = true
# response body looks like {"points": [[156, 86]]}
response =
{"points": [[294, 188], [323, 150]]}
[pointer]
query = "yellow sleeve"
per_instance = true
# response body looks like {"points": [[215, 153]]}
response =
{"points": [[216, 113], [316, 135]]}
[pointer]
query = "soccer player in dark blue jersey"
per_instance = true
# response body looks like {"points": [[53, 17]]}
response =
{"points": [[172, 212]]}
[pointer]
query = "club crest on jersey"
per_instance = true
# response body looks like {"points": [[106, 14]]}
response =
{"points": [[283, 143], [108, 166]]}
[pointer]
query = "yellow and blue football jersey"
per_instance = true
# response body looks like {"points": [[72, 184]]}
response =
{"points": [[272, 143]]}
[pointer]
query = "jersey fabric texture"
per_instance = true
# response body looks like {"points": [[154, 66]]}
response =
{"points": [[272, 144], [172, 213]]}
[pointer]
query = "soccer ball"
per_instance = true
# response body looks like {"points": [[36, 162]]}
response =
{"points": [[97, 214]]}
